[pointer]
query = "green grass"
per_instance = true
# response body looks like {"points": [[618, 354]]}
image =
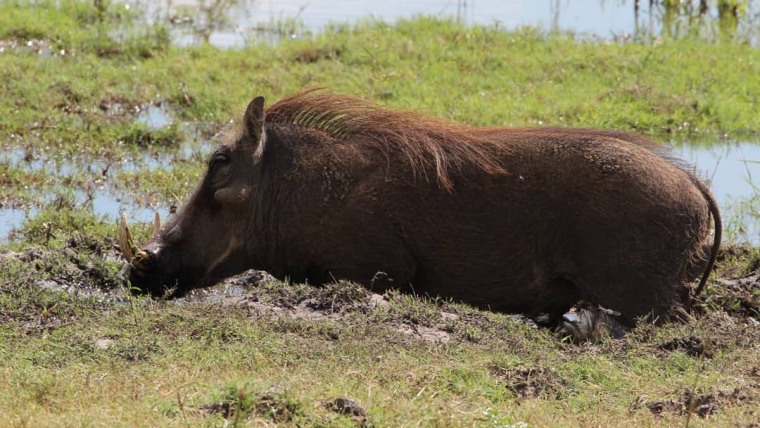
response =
{"points": [[75, 349]]}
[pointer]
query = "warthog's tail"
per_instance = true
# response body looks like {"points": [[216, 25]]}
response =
{"points": [[715, 212]]}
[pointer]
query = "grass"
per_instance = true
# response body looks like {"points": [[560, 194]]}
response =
{"points": [[76, 349]]}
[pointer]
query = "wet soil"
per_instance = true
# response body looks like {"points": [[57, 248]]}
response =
{"points": [[732, 309], [700, 404], [275, 405], [531, 383]]}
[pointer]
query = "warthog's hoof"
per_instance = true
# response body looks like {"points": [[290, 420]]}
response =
{"points": [[591, 323]]}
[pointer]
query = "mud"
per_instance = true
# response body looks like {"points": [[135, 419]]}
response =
{"points": [[271, 404], [349, 407], [739, 296], [71, 272], [332, 303], [277, 406], [531, 383], [700, 404], [728, 319], [691, 346]]}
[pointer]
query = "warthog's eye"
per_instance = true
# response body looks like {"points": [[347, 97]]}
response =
{"points": [[219, 159], [219, 168]]}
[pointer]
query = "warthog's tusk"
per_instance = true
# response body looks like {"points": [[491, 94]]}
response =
{"points": [[125, 240], [156, 224], [134, 255], [231, 249]]}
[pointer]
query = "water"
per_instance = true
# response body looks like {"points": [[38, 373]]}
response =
{"points": [[730, 169], [106, 204], [599, 18], [155, 117], [12, 218], [582, 16], [102, 203]]}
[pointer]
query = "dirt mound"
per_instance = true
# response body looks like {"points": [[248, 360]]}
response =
{"points": [[729, 317], [701, 405], [531, 383], [739, 296], [692, 346], [349, 407]]}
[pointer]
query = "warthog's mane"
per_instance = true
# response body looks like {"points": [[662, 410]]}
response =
{"points": [[425, 141]]}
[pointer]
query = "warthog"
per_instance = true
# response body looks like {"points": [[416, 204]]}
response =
{"points": [[322, 187]]}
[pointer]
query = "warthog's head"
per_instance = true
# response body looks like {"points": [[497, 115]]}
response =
{"points": [[205, 241]]}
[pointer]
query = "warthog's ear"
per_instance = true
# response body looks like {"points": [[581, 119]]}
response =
{"points": [[254, 119]]}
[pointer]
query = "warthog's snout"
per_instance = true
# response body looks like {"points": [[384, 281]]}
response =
{"points": [[147, 266]]}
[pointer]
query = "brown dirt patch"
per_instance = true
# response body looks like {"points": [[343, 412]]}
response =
{"points": [[330, 302], [531, 383], [692, 346], [269, 404], [739, 296], [308, 56], [348, 407], [732, 323], [701, 405], [333, 302]]}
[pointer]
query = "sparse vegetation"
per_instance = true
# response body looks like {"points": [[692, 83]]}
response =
{"points": [[77, 349]]}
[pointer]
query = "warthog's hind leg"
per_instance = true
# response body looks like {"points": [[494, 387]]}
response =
{"points": [[554, 302]]}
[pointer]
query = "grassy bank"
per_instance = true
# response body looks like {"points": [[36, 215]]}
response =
{"points": [[76, 86]]}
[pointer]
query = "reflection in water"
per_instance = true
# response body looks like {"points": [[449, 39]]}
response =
{"points": [[730, 169]]}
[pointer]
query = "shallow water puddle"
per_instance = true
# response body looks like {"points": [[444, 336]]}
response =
{"points": [[12, 218], [101, 203], [730, 169], [155, 117], [37, 160], [105, 204]]}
